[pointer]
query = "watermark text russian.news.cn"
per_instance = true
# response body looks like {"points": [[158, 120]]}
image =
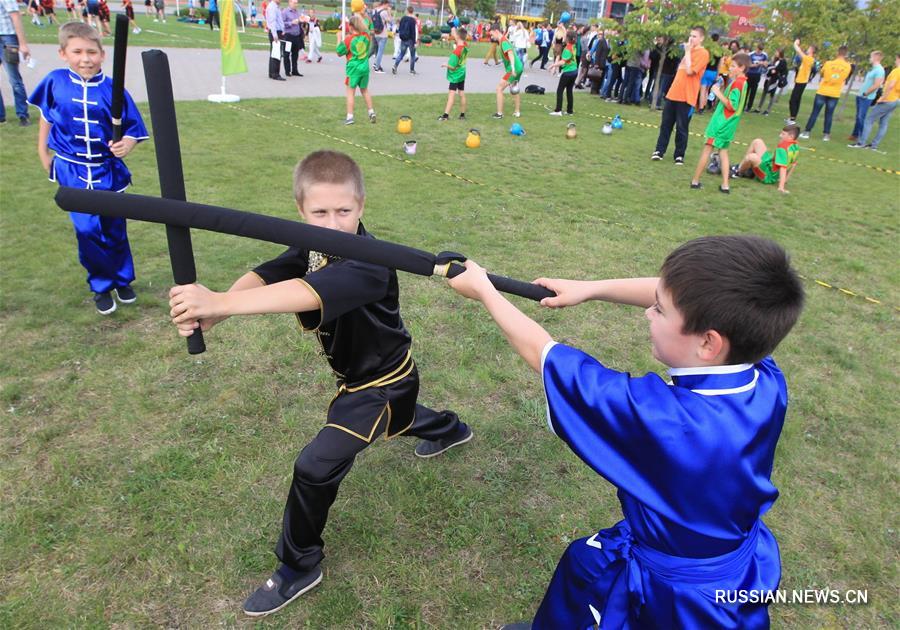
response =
{"points": [[815, 596]]}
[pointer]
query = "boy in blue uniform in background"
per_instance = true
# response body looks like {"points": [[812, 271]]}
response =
{"points": [[691, 459], [76, 124]]}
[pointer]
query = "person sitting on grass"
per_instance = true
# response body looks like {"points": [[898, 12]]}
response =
{"points": [[356, 48], [456, 74], [769, 167], [725, 120], [691, 458], [354, 308]]}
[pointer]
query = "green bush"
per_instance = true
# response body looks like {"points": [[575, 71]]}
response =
{"points": [[425, 39], [331, 24]]}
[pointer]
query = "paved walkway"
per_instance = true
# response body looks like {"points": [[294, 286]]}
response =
{"points": [[195, 75]]}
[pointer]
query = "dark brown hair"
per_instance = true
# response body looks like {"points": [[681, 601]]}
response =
{"points": [[743, 287]]}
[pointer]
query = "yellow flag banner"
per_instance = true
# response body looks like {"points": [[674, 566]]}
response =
{"points": [[233, 61], [452, 4]]}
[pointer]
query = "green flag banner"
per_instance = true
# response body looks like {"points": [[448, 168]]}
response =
{"points": [[233, 61]]}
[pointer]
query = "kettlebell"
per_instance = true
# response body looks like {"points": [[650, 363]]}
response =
{"points": [[473, 140], [571, 131], [404, 125]]}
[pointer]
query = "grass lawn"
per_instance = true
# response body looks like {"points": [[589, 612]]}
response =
{"points": [[174, 34], [145, 487]]}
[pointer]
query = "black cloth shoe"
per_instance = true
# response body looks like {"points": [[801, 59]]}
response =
{"points": [[296, 74], [679, 161], [126, 295], [24, 121], [696, 185], [278, 592], [431, 448], [443, 117], [104, 303], [462, 116], [278, 78]]}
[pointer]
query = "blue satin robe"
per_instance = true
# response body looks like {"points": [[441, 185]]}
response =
{"points": [[81, 127], [692, 462]]}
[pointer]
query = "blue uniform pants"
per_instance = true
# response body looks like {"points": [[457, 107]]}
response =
{"points": [[103, 250], [15, 80]]}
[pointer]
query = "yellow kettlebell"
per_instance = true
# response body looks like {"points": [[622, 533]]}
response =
{"points": [[404, 125], [473, 140], [571, 132]]}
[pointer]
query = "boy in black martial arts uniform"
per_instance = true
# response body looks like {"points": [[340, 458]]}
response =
{"points": [[353, 307]]}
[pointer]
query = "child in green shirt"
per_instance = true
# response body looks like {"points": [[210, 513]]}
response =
{"points": [[568, 64], [456, 75], [724, 122], [355, 47]]}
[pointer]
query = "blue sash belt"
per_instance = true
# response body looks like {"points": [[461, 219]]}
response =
{"points": [[636, 560]]}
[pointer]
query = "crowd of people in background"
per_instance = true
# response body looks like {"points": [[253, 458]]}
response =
{"points": [[586, 57]]}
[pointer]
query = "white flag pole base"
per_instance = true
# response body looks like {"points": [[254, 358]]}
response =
{"points": [[223, 96]]}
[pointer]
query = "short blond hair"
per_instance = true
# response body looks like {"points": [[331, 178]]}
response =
{"points": [[358, 24], [70, 30], [328, 167]]}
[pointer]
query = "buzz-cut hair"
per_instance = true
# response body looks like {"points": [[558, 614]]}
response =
{"points": [[70, 30], [794, 130], [462, 33], [743, 287], [328, 167], [700, 30]]}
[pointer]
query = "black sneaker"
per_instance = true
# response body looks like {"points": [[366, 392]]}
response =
{"points": [[278, 592], [394, 70], [497, 116], [126, 295], [733, 172], [656, 156], [431, 448], [679, 161], [104, 303], [462, 116], [443, 117], [24, 121]]}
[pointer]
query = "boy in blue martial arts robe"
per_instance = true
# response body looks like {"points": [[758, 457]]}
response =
{"points": [[691, 459], [76, 124]]}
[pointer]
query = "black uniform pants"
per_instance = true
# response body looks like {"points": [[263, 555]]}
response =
{"points": [[752, 86], [675, 114], [796, 96], [355, 420], [290, 58], [275, 64], [566, 82]]}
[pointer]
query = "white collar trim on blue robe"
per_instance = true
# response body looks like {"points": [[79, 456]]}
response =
{"points": [[716, 370], [95, 80]]}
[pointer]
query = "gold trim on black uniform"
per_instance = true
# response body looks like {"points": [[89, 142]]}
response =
{"points": [[367, 440]]}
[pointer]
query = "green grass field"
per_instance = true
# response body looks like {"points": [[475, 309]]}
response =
{"points": [[143, 487], [174, 34]]}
